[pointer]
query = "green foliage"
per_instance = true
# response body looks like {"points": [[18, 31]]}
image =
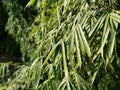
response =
{"points": [[3, 69], [71, 44]]}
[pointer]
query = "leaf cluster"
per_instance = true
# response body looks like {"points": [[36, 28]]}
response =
{"points": [[71, 45]]}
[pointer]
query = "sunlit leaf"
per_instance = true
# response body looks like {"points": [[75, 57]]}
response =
{"points": [[115, 17], [87, 48], [78, 51]]}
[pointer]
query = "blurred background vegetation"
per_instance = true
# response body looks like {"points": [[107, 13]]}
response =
{"points": [[59, 44]]}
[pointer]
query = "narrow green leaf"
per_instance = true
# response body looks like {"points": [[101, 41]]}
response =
{"points": [[63, 87], [34, 63], [97, 26], [91, 24], [33, 32], [31, 3], [51, 70], [87, 48], [72, 49], [82, 46], [83, 82], [112, 38], [37, 76], [105, 35], [115, 17], [61, 84], [78, 50], [51, 52], [111, 42], [85, 17], [68, 85], [94, 77], [64, 60]]}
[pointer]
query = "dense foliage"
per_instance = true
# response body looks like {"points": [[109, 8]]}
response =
{"points": [[65, 44]]}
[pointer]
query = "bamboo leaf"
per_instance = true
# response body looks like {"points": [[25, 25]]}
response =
{"points": [[61, 84], [112, 38], [97, 26], [82, 46], [34, 63], [87, 48], [83, 83], [94, 76], [78, 51], [38, 75], [31, 3], [49, 55], [115, 17], [85, 18], [105, 35], [64, 60], [111, 42], [68, 85], [72, 49]]}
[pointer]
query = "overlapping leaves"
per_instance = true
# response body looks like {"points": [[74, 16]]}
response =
{"points": [[74, 46]]}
